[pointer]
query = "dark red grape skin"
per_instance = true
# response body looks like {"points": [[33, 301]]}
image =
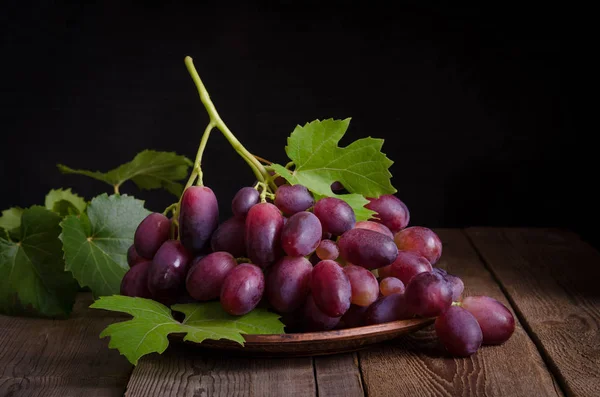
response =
{"points": [[288, 283], [336, 215], [458, 331], [376, 227], [327, 249], [408, 264], [230, 237], [315, 319], [150, 234], [242, 289], [330, 288], [421, 240], [388, 308], [243, 200], [198, 218], [301, 234], [391, 285], [496, 321], [166, 274], [337, 186], [428, 294], [264, 224], [207, 274], [133, 258], [291, 199], [365, 288], [135, 281], [391, 212], [354, 317], [367, 248]]}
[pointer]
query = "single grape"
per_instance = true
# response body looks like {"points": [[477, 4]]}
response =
{"points": [[327, 249], [264, 224], [354, 317], [243, 200], [367, 248], [301, 234], [421, 240], [150, 234], [198, 218], [388, 308], [133, 258], [135, 281], [336, 215], [230, 237], [496, 321], [166, 274], [428, 294], [391, 212], [337, 186], [291, 199], [408, 264], [458, 331], [374, 226], [315, 319], [365, 288], [330, 288], [242, 289], [207, 274], [288, 283], [456, 285], [391, 285]]}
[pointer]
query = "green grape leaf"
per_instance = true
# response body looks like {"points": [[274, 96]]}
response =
{"points": [[64, 202], [11, 219], [318, 162], [34, 280], [148, 170], [95, 244], [152, 322]]}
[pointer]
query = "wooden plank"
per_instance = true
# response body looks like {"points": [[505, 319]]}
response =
{"points": [[338, 375], [40, 357], [417, 366], [185, 370], [552, 278]]}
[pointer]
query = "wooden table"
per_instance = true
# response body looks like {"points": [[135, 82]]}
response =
{"points": [[549, 278]]}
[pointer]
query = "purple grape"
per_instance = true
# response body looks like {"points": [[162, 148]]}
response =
{"points": [[365, 288], [150, 234], [374, 226], [428, 294], [288, 283], [367, 248], [354, 317], [336, 215], [330, 288], [458, 331], [243, 200], [315, 319], [291, 199], [388, 308], [242, 289], [166, 274], [230, 237], [391, 285], [408, 264], [421, 240], [327, 249], [135, 281], [337, 186], [456, 285], [133, 258], [496, 321], [198, 218], [301, 234], [264, 224], [207, 274], [391, 212]]}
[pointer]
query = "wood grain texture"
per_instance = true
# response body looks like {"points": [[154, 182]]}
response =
{"points": [[184, 370], [416, 365], [47, 358], [338, 376], [552, 278]]}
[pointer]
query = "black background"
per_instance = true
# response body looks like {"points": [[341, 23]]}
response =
{"points": [[475, 105]]}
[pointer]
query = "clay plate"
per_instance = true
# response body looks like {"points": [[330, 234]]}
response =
{"points": [[315, 343]]}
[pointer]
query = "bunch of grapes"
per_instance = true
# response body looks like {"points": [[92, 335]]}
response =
{"points": [[311, 262]]}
